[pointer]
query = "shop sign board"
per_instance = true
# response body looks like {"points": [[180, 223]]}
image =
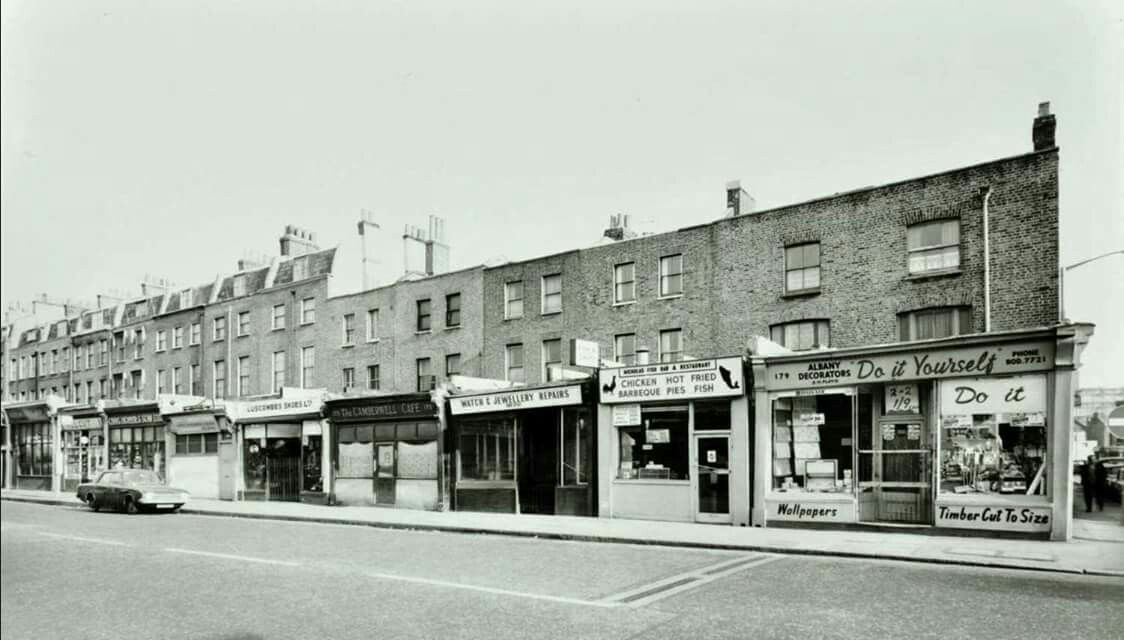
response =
{"points": [[797, 511], [130, 419], [388, 408], [1017, 394], [585, 353], [27, 414], [684, 380], [810, 419], [70, 423], [948, 362], [902, 398], [254, 409], [994, 517], [626, 415], [521, 399]]}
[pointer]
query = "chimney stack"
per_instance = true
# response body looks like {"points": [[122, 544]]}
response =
{"points": [[618, 227], [738, 200], [297, 242], [1044, 127]]}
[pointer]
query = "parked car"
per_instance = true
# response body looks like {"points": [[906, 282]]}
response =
{"points": [[131, 491]]}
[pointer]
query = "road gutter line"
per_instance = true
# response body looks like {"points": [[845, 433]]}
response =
{"points": [[63, 536], [230, 556]]}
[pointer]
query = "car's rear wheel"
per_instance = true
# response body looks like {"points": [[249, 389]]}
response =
{"points": [[131, 506], [92, 502]]}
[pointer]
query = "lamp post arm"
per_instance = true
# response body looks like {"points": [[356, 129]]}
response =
{"points": [[1061, 279]]}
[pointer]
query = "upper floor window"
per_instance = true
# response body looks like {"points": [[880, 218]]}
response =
{"points": [[624, 348], [348, 378], [278, 321], [624, 283], [671, 275], [551, 355], [300, 268], [372, 325], [119, 343], [240, 285], [243, 372], [513, 299], [243, 323], [671, 345], [802, 267], [805, 334], [513, 362], [218, 379], [423, 322], [373, 377], [308, 310], [452, 364], [277, 371], [347, 328], [308, 365], [196, 333], [426, 380], [177, 337], [552, 293], [938, 322], [187, 298], [453, 310], [934, 246], [161, 340], [218, 328]]}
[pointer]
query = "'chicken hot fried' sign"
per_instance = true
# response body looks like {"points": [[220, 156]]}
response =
{"points": [[718, 377]]}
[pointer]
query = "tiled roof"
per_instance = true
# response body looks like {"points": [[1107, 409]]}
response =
{"points": [[319, 263], [255, 281]]}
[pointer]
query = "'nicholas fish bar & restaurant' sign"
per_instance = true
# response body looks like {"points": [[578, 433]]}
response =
{"points": [[947, 362], [683, 380]]}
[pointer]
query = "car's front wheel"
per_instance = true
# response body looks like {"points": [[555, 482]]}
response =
{"points": [[92, 502], [131, 507]]}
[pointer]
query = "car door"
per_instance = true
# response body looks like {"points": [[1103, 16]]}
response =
{"points": [[113, 490]]}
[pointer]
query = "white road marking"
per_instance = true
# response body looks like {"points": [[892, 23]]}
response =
{"points": [[491, 590], [63, 536], [660, 589], [230, 556]]}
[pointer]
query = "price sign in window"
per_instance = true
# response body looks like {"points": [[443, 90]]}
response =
{"points": [[902, 398]]}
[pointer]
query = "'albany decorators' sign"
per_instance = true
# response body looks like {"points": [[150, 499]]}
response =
{"points": [[948, 362], [994, 517], [521, 399], [673, 381]]}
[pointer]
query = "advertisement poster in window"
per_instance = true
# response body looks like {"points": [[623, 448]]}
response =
{"points": [[901, 398]]}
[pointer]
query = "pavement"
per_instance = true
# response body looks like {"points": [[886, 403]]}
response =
{"points": [[1097, 547], [68, 572]]}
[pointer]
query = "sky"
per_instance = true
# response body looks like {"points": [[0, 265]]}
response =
{"points": [[168, 140]]}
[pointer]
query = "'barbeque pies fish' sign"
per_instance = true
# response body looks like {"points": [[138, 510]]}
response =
{"points": [[948, 362], [673, 381]]}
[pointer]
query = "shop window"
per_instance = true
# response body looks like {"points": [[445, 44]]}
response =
{"points": [[813, 444], [802, 335], [939, 322], [802, 267], [671, 345], [671, 275], [34, 448], [513, 300], [513, 362], [712, 415], [356, 452], [934, 246], [994, 437], [308, 310], [624, 349], [137, 448], [453, 310], [551, 355], [552, 294], [311, 455], [577, 452], [656, 449], [486, 450], [197, 444], [624, 283]]}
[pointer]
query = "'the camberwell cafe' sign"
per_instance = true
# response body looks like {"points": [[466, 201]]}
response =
{"points": [[941, 362], [717, 377]]}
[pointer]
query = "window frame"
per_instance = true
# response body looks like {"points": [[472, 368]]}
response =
{"points": [[545, 363], [803, 268], [664, 278], [177, 337], [679, 353], [275, 370], [373, 325], [277, 320], [543, 294], [347, 330], [508, 299], [450, 357], [195, 335], [452, 321], [426, 318], [218, 326], [424, 379], [219, 367], [242, 372], [308, 369], [619, 282], [507, 362], [818, 325], [308, 311], [924, 250], [348, 378], [959, 316], [244, 320], [375, 378], [617, 357]]}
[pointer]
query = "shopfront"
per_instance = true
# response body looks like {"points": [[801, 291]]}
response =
{"points": [[961, 433], [203, 459], [82, 435], [33, 440], [674, 442], [280, 445], [524, 450], [387, 451], [136, 437]]}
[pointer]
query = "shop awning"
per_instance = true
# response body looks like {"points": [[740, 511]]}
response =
{"points": [[273, 430], [186, 424]]}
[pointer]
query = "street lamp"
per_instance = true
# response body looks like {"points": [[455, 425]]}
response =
{"points": [[1061, 279]]}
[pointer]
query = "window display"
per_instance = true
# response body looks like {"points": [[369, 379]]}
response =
{"points": [[656, 449], [137, 448], [312, 479], [487, 450], [813, 444], [34, 442]]}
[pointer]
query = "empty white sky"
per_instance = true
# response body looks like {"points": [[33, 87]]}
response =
{"points": [[171, 138]]}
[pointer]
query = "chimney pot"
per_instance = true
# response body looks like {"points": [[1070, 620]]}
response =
{"points": [[1044, 129], [1043, 109]]}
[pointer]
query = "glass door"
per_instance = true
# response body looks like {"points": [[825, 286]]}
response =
{"points": [[711, 478], [899, 471]]}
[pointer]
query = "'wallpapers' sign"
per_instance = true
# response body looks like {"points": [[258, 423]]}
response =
{"points": [[949, 362]]}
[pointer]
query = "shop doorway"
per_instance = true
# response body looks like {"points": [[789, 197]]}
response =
{"points": [[273, 468], [711, 478], [385, 462], [227, 466], [899, 490], [537, 474]]}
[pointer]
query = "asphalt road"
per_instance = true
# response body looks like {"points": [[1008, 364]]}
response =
{"points": [[70, 573]]}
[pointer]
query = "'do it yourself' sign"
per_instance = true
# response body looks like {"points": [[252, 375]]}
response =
{"points": [[714, 378]]}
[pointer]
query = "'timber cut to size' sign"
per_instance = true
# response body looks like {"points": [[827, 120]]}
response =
{"points": [[994, 517], [718, 377], [943, 362], [521, 399]]}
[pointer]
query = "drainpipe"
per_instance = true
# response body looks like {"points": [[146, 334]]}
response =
{"points": [[986, 193]]}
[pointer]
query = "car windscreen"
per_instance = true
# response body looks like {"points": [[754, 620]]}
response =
{"points": [[141, 477]]}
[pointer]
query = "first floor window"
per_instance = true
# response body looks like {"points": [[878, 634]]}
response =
{"points": [[551, 355], [486, 450], [161, 381], [671, 345], [671, 275], [177, 380], [624, 348], [513, 359], [938, 322], [373, 377], [426, 379], [308, 365], [452, 364], [219, 370], [348, 378], [244, 376], [195, 380], [805, 334], [278, 372], [658, 448]]}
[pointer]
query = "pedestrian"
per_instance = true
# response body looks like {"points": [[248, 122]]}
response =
{"points": [[1087, 489], [1100, 482]]}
